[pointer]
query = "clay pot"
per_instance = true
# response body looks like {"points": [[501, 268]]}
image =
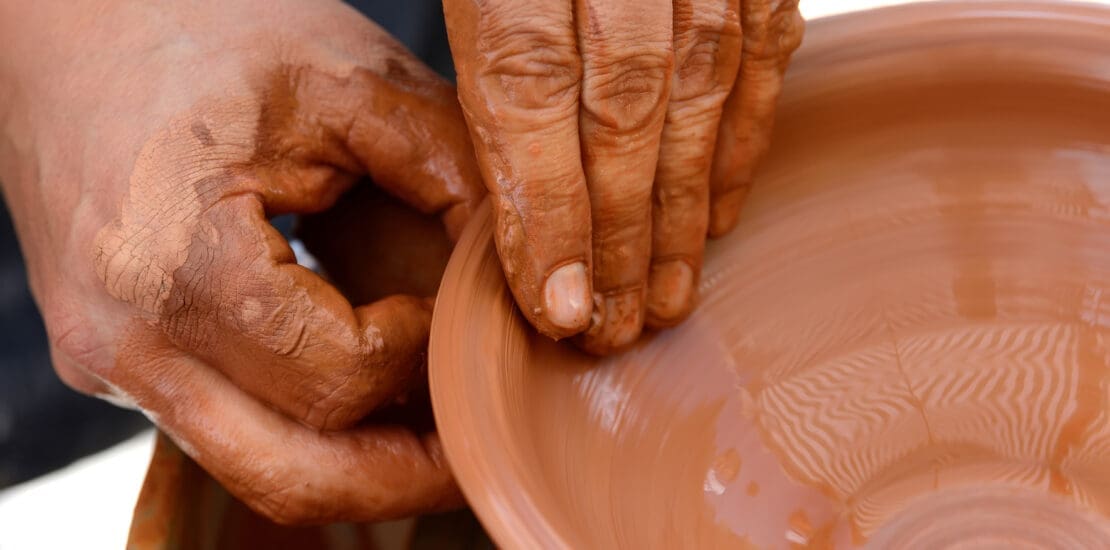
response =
{"points": [[905, 343]]}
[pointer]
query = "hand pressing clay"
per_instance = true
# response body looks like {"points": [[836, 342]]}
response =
{"points": [[613, 136], [143, 149]]}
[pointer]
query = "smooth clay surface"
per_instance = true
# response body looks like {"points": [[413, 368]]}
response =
{"points": [[903, 345]]}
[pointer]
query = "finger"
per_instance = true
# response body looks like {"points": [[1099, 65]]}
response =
{"points": [[288, 472], [390, 117], [627, 59], [241, 303], [707, 58], [772, 31], [519, 74]]}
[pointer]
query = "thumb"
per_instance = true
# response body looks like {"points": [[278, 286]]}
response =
{"points": [[389, 117]]}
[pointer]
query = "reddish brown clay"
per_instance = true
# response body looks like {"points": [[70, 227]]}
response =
{"points": [[904, 344]]}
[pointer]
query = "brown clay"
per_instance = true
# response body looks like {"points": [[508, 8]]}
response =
{"points": [[904, 344]]}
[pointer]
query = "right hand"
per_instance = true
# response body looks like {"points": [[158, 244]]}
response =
{"points": [[613, 136], [143, 147]]}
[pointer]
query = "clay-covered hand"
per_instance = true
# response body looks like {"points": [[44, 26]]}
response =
{"points": [[143, 148], [613, 136]]}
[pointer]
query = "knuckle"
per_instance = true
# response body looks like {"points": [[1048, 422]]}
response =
{"points": [[528, 67], [793, 27], [694, 119], [772, 28], [130, 271], [340, 402], [383, 369], [626, 91], [135, 256], [700, 60], [707, 62], [284, 328], [687, 194]]}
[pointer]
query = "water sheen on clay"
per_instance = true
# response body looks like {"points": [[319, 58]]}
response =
{"points": [[905, 342]]}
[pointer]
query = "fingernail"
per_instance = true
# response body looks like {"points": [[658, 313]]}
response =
{"points": [[617, 323], [669, 291], [566, 297], [625, 317]]}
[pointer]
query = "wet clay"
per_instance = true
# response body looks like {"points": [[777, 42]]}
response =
{"points": [[904, 343]]}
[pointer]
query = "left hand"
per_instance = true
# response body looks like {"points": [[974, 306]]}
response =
{"points": [[613, 136], [143, 148]]}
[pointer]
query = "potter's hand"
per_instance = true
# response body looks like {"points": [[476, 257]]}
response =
{"points": [[143, 148], [594, 123]]}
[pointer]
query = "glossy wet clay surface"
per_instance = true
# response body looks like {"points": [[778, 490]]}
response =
{"points": [[905, 343]]}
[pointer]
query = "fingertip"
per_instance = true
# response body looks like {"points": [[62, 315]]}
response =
{"points": [[456, 217], [616, 323], [388, 361], [402, 316], [451, 496], [434, 447], [671, 293], [725, 211]]}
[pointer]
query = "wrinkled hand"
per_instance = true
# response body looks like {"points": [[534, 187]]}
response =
{"points": [[144, 148], [613, 136]]}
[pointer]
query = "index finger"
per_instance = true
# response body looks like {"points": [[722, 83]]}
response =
{"points": [[519, 74]]}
